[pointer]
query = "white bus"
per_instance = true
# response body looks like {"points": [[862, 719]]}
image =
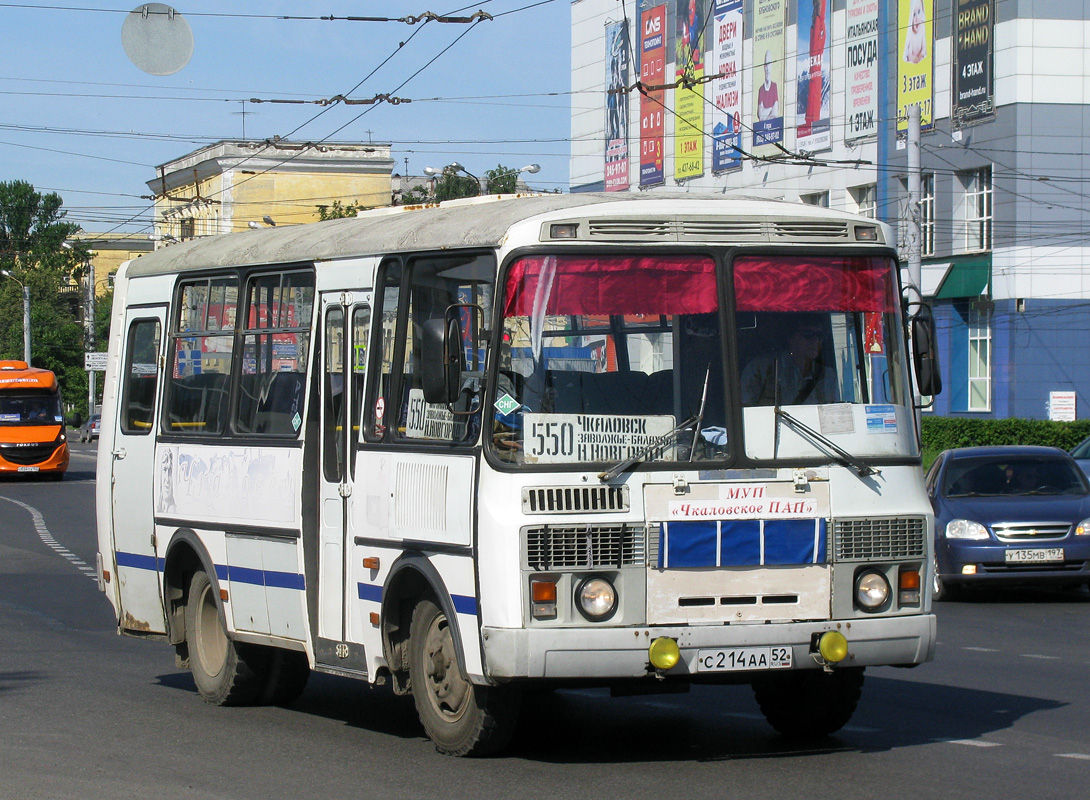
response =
{"points": [[561, 440]]}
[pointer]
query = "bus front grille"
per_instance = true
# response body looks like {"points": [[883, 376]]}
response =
{"points": [[878, 538], [574, 499], [550, 547], [25, 456]]}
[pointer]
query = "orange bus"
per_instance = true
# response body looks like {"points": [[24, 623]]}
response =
{"points": [[32, 438]]}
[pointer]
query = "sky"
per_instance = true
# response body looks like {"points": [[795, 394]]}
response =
{"points": [[79, 118]]}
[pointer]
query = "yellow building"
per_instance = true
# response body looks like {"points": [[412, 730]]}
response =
{"points": [[109, 251], [233, 185]]}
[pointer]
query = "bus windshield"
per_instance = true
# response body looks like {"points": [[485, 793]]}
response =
{"points": [[603, 356], [30, 408]]}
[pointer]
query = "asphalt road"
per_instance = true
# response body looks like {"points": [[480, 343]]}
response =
{"points": [[1003, 710]]}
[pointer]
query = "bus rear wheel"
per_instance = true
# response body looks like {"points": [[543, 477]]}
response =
{"points": [[461, 718], [223, 670], [809, 704]]}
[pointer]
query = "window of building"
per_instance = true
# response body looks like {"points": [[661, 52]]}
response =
{"points": [[186, 228], [980, 357], [866, 200], [927, 215], [978, 209], [820, 199]]}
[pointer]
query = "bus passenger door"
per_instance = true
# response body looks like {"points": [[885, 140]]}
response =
{"points": [[134, 472], [345, 318]]}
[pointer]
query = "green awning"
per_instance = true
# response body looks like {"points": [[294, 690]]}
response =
{"points": [[965, 278]]}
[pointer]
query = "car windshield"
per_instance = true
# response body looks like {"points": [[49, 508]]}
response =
{"points": [[1021, 476], [30, 408]]}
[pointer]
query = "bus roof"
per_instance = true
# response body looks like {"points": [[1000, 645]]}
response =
{"points": [[19, 375], [475, 222]]}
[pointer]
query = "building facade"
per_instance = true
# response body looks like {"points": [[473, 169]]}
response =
{"points": [[233, 185], [806, 101]]}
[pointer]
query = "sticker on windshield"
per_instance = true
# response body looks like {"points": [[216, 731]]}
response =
{"points": [[881, 419], [506, 404], [568, 438]]}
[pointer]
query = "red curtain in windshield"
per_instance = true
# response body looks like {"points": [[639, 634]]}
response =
{"points": [[562, 285], [830, 283]]}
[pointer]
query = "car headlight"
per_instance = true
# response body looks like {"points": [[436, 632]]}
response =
{"points": [[965, 529], [1083, 528], [871, 590], [597, 598]]}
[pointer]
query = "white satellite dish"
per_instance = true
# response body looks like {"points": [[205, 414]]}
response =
{"points": [[157, 39]]}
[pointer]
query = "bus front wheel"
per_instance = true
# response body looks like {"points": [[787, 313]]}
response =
{"points": [[809, 704], [460, 718], [221, 668]]}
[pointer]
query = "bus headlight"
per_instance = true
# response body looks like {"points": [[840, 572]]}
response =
{"points": [[871, 590], [596, 598]]}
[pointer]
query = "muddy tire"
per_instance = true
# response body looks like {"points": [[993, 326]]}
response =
{"points": [[226, 672], [461, 718], [809, 704]]}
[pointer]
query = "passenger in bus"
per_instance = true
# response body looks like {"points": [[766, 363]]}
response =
{"points": [[795, 376]]}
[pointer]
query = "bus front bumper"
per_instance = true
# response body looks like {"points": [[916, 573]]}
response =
{"points": [[602, 653]]}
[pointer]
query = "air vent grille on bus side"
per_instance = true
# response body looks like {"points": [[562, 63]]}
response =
{"points": [[631, 229], [718, 230], [427, 483], [867, 539], [804, 229], [550, 547], [574, 499]]}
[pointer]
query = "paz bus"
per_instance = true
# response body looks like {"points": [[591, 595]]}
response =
{"points": [[504, 443], [32, 436]]}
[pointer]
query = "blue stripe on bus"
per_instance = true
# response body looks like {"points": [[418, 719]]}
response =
{"points": [[256, 577], [368, 591], [137, 561], [373, 593]]}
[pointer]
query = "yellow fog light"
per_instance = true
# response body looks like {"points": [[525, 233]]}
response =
{"points": [[663, 653], [833, 647]]}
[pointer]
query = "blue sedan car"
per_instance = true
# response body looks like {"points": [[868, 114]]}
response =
{"points": [[1009, 515]]}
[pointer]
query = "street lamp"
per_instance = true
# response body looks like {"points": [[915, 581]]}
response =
{"points": [[26, 314]]}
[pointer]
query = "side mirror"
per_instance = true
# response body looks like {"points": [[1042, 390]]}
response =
{"points": [[77, 420], [440, 360], [925, 354]]}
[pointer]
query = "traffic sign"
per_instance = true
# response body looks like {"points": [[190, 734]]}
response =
{"points": [[94, 362]]}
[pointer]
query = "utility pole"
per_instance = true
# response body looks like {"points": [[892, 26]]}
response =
{"points": [[89, 334], [915, 233]]}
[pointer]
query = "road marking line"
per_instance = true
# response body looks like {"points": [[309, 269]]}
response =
{"points": [[982, 649], [968, 742], [1036, 655], [1077, 756], [51, 543]]}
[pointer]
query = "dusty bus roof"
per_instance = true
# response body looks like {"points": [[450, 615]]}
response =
{"points": [[479, 222]]}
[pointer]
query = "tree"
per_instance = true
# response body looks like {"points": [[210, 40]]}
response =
{"points": [[451, 185], [339, 211], [32, 232]]}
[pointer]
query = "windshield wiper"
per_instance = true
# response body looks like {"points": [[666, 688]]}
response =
{"points": [[642, 454], [841, 455], [694, 421]]}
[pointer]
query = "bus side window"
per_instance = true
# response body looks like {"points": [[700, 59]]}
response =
{"points": [[141, 376], [276, 343], [201, 352]]}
